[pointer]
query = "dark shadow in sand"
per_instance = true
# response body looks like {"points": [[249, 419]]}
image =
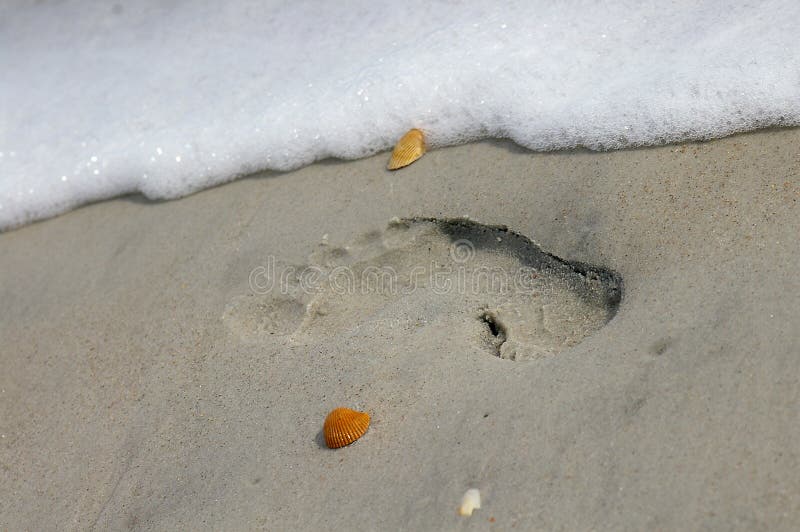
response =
{"points": [[485, 237]]}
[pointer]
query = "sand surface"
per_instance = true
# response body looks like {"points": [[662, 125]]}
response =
{"points": [[150, 380]]}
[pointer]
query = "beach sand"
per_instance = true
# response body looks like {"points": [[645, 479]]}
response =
{"points": [[146, 385]]}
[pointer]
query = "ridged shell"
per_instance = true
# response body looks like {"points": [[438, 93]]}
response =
{"points": [[407, 150], [344, 426]]}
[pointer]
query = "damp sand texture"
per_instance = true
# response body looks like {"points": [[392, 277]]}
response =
{"points": [[127, 400]]}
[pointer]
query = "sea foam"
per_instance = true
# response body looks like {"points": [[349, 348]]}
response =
{"points": [[166, 98]]}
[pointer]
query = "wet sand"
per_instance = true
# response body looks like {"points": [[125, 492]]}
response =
{"points": [[147, 385]]}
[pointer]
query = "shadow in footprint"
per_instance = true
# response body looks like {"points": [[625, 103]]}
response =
{"points": [[512, 298], [493, 285]]}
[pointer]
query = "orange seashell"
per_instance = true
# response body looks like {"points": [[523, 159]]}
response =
{"points": [[407, 150], [344, 426]]}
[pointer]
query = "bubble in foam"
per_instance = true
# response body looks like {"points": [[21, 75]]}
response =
{"points": [[279, 85]]}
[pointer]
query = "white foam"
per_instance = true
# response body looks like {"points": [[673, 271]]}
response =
{"points": [[98, 100]]}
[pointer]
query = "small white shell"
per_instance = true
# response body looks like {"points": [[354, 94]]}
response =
{"points": [[469, 502]]}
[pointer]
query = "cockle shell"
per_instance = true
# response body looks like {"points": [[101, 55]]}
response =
{"points": [[344, 426], [407, 150]]}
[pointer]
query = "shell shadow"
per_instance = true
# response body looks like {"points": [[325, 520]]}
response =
{"points": [[320, 440]]}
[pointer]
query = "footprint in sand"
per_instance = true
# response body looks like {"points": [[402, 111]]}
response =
{"points": [[517, 301]]}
